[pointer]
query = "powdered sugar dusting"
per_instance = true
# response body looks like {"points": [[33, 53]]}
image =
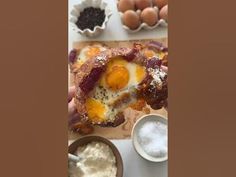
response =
{"points": [[158, 76], [101, 59]]}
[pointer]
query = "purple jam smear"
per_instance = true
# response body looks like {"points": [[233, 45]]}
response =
{"points": [[131, 55], [89, 82], [154, 63], [155, 97], [72, 56], [158, 46]]}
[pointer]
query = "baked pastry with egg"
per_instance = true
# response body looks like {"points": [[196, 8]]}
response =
{"points": [[77, 57], [156, 49], [115, 79]]}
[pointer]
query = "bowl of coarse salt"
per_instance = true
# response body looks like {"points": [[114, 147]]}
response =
{"points": [[150, 137]]}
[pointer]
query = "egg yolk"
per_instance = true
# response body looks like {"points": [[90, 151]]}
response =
{"points": [[138, 105], [79, 63], [117, 78], [140, 73], [95, 109], [149, 53], [116, 61], [93, 51], [161, 55]]}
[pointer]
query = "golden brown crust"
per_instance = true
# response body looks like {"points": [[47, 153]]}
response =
{"points": [[84, 73]]}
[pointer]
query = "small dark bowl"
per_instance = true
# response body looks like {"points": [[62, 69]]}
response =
{"points": [[87, 139]]}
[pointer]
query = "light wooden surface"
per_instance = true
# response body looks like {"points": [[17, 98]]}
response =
{"points": [[124, 130]]}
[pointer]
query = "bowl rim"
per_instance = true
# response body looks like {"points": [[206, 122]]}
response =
{"points": [[162, 159], [90, 138]]}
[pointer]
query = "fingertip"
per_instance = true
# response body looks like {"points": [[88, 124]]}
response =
{"points": [[71, 93], [164, 68], [71, 107]]}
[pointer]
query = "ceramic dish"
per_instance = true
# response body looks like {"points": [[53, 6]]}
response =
{"points": [[145, 26], [80, 7], [87, 139], [137, 146]]}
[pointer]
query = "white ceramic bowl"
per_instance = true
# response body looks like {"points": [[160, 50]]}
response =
{"points": [[137, 146], [87, 139], [80, 7]]}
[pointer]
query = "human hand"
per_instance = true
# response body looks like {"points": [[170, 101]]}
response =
{"points": [[164, 68], [75, 123], [71, 104]]}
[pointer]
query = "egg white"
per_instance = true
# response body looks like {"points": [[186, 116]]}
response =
{"points": [[81, 57], [155, 54], [133, 79], [107, 96]]}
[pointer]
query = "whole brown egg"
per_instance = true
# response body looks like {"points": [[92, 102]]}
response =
{"points": [[163, 14], [160, 3], [131, 19], [124, 5], [149, 16], [142, 4]]}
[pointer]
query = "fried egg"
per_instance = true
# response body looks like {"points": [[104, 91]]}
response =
{"points": [[115, 90], [96, 110], [88, 52], [121, 75], [151, 53]]}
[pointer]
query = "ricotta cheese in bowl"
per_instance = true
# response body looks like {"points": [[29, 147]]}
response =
{"points": [[98, 158]]}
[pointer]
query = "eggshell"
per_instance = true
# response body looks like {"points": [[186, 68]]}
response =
{"points": [[142, 4], [125, 5], [160, 3], [149, 16], [131, 19], [163, 14]]}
